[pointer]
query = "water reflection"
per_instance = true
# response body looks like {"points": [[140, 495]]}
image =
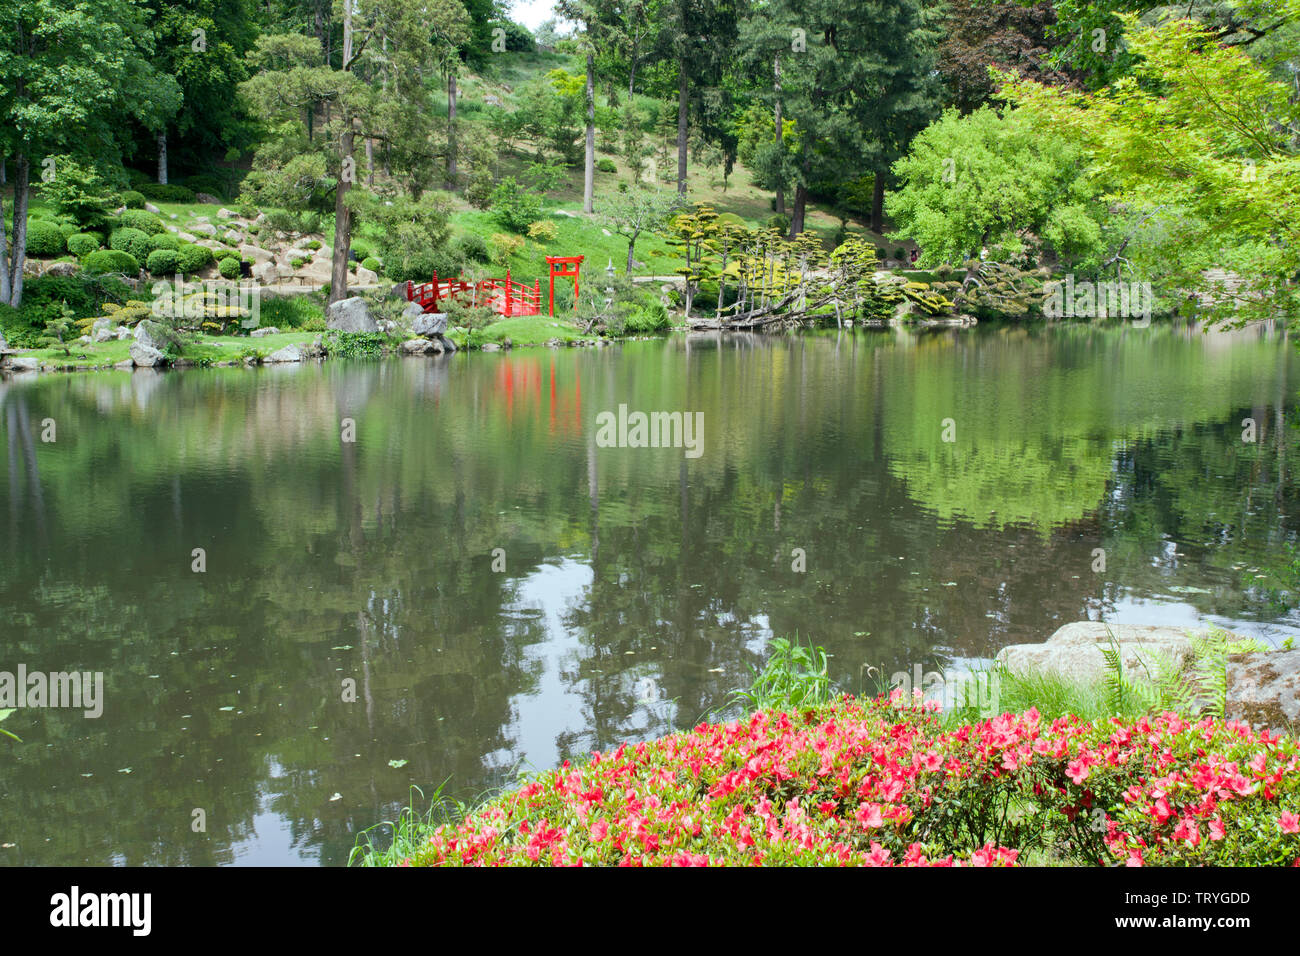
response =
{"points": [[638, 586]]}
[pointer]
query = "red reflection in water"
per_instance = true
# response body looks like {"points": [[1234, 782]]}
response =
{"points": [[519, 382]]}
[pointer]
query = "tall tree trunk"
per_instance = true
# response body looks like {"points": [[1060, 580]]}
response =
{"points": [[11, 286], [342, 224], [776, 88], [162, 156], [631, 76], [683, 91], [589, 165], [878, 203], [800, 205], [370, 158], [451, 130]]}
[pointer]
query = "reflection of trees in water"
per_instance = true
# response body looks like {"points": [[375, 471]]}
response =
{"points": [[329, 560]]}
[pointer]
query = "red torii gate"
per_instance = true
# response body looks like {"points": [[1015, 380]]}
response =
{"points": [[560, 266]]}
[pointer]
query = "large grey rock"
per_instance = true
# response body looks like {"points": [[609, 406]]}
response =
{"points": [[417, 346], [22, 363], [429, 324], [150, 207], [267, 273], [260, 333], [103, 330], [63, 270], [1075, 650], [203, 229], [146, 356], [3, 344], [255, 254], [122, 332], [148, 334], [224, 213], [366, 276], [350, 315], [290, 353], [412, 312], [1264, 689], [447, 344], [397, 290]]}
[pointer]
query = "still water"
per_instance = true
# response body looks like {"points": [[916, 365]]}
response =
{"points": [[504, 592]]}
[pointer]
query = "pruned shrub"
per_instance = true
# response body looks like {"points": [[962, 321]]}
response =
{"points": [[82, 244], [146, 222], [132, 199], [130, 240], [44, 239], [111, 260], [229, 268], [194, 258], [162, 262]]}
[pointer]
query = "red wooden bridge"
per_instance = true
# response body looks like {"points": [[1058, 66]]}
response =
{"points": [[506, 297]]}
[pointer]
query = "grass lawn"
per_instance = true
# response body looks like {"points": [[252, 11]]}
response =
{"points": [[208, 349]]}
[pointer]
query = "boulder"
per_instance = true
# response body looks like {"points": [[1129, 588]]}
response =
{"points": [[23, 363], [266, 273], [1264, 690], [493, 346], [104, 331], [233, 235], [204, 228], [3, 344], [290, 353], [146, 356], [397, 291], [412, 313], [224, 213], [417, 346], [125, 365], [123, 332], [147, 334], [63, 270], [428, 324], [350, 315], [259, 333], [1075, 650], [367, 277], [150, 207], [184, 236], [255, 254], [208, 198], [447, 344]]}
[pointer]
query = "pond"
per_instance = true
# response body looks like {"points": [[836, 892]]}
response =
{"points": [[236, 550]]}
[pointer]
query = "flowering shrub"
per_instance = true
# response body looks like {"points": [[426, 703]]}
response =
{"points": [[879, 783]]}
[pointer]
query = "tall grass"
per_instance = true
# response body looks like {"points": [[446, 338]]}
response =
{"points": [[794, 677]]}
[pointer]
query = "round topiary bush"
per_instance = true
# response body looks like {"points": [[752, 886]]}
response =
{"points": [[371, 263], [194, 258], [132, 199], [146, 222], [163, 262], [130, 240], [44, 240], [111, 260], [229, 268], [164, 240], [83, 244]]}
